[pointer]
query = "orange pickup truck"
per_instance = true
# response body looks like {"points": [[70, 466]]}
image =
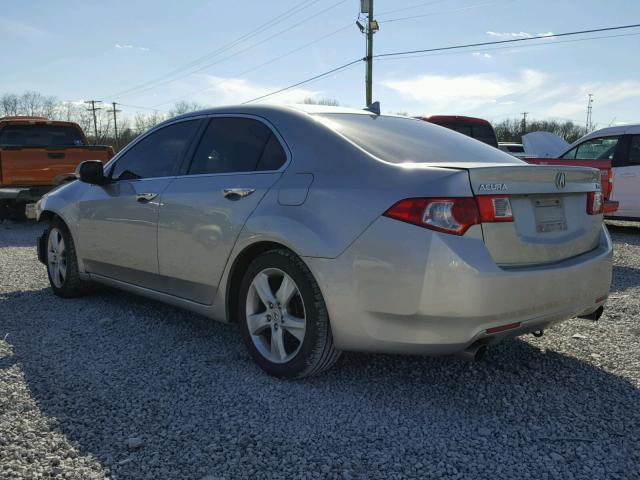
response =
{"points": [[36, 154]]}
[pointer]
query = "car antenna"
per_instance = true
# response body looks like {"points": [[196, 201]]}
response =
{"points": [[374, 108]]}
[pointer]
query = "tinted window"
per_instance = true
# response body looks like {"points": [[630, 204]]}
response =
{"points": [[40, 135], [515, 148], [634, 150], [601, 148], [407, 140], [235, 144], [483, 133], [156, 155]]}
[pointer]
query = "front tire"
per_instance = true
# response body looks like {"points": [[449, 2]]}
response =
{"points": [[283, 318], [62, 262]]}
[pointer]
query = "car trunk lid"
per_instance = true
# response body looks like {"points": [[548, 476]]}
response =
{"points": [[549, 206]]}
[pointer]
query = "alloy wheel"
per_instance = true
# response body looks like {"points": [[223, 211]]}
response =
{"points": [[275, 315], [57, 258]]}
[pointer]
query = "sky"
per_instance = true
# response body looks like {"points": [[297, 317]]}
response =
{"points": [[221, 52]]}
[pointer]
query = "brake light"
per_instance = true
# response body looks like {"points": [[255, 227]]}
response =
{"points": [[594, 203], [449, 215], [495, 208]]}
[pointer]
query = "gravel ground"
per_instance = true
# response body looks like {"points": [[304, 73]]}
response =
{"points": [[115, 386]]}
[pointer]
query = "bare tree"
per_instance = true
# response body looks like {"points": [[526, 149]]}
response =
{"points": [[331, 102], [184, 107], [510, 130]]}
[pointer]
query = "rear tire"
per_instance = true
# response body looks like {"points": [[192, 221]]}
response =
{"points": [[283, 318], [62, 262]]}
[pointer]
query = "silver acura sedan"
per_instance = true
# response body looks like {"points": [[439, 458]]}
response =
{"points": [[319, 230]]}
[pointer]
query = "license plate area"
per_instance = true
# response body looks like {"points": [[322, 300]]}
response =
{"points": [[549, 213]]}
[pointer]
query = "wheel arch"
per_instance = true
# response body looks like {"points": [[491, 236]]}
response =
{"points": [[238, 268]]}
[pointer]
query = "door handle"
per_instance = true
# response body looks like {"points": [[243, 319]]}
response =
{"points": [[237, 193], [145, 197]]}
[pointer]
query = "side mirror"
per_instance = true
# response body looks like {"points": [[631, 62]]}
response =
{"points": [[91, 171]]}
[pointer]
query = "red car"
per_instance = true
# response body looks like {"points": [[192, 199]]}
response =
{"points": [[473, 127]]}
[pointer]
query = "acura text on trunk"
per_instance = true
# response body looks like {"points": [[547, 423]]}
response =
{"points": [[319, 230]]}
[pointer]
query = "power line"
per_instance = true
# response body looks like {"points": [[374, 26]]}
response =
{"points": [[308, 80], [411, 7], [460, 9], [261, 28], [496, 42], [559, 42], [438, 49], [235, 54], [256, 67]]}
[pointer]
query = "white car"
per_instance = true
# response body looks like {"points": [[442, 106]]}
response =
{"points": [[621, 145], [515, 149]]}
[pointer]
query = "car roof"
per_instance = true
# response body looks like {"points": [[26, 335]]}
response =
{"points": [[261, 108], [617, 130]]}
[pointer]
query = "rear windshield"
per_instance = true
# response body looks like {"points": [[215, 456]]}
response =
{"points": [[484, 133], [515, 148], [40, 136], [407, 140]]}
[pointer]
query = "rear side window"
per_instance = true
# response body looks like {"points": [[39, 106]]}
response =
{"points": [[601, 148], [156, 155], [40, 136], [236, 144], [634, 150]]}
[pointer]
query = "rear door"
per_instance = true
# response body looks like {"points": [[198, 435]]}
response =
{"points": [[626, 186], [550, 221], [236, 162], [118, 222]]}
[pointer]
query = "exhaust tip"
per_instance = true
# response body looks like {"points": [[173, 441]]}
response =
{"points": [[475, 353], [595, 316], [481, 353]]}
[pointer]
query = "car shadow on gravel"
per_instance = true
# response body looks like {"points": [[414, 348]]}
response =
{"points": [[12, 233], [113, 367]]}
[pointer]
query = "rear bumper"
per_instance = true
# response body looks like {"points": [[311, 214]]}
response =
{"points": [[23, 194], [401, 289]]}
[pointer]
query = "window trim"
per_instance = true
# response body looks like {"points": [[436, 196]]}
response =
{"points": [[110, 166], [186, 164]]}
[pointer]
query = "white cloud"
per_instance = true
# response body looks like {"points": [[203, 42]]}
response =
{"points": [[465, 92], [540, 93], [128, 46], [483, 55], [220, 90], [604, 93], [517, 34], [24, 31]]}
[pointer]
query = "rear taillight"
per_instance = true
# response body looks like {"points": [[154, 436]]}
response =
{"points": [[495, 208], [448, 215], [452, 214], [594, 203]]}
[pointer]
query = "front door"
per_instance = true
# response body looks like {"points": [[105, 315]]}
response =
{"points": [[204, 210], [626, 180], [118, 222]]}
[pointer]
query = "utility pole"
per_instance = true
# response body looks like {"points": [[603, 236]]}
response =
{"points": [[589, 124], [524, 122], [95, 121], [115, 121], [371, 27]]}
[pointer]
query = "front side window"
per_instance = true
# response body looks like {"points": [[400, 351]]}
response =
{"points": [[156, 155], [601, 148], [236, 144]]}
